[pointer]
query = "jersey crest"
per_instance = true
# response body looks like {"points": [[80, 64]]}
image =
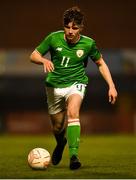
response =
{"points": [[79, 53]]}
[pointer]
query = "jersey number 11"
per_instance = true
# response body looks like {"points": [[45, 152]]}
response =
{"points": [[65, 61]]}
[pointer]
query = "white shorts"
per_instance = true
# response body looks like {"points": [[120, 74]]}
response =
{"points": [[57, 97]]}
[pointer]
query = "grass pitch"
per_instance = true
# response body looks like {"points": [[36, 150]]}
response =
{"points": [[102, 157]]}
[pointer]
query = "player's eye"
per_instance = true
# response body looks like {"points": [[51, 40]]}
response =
{"points": [[67, 27], [75, 28]]}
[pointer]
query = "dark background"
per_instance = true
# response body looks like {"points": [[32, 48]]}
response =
{"points": [[23, 24]]}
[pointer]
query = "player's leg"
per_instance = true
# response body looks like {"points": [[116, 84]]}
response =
{"points": [[73, 130], [56, 109], [58, 126]]}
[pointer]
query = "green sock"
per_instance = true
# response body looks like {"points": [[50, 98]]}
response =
{"points": [[73, 136]]}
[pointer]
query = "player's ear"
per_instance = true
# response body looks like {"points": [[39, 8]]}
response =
{"points": [[81, 27]]}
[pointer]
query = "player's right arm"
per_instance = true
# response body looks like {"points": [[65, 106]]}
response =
{"points": [[37, 55], [37, 58]]}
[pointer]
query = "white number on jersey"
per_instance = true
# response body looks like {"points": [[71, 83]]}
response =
{"points": [[65, 61]]}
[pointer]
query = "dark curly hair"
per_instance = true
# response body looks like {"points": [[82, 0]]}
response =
{"points": [[74, 15]]}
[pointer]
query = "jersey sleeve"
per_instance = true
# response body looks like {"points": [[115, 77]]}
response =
{"points": [[94, 52], [44, 46]]}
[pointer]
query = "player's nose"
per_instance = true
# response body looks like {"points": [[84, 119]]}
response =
{"points": [[70, 31]]}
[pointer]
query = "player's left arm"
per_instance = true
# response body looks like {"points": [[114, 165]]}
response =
{"points": [[105, 72]]}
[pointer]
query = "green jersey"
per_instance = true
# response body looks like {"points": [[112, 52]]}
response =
{"points": [[68, 59]]}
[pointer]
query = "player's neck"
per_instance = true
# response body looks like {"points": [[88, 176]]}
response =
{"points": [[74, 41]]}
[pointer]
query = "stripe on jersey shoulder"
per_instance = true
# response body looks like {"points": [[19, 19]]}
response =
{"points": [[86, 37], [56, 32]]}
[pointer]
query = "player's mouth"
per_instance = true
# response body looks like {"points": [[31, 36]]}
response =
{"points": [[70, 36]]}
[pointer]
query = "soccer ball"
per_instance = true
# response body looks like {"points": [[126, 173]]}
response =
{"points": [[39, 158]]}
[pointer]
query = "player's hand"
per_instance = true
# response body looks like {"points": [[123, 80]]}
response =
{"points": [[48, 66], [112, 95]]}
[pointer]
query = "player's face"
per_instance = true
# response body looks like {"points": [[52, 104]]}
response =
{"points": [[72, 32]]}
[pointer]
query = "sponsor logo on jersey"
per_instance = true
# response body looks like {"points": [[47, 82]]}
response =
{"points": [[59, 49], [80, 53]]}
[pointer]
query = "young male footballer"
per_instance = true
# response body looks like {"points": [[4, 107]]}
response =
{"points": [[66, 80]]}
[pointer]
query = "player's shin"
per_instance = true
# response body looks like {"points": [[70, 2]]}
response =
{"points": [[73, 136], [58, 151], [60, 137]]}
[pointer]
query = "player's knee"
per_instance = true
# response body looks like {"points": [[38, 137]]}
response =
{"points": [[57, 128]]}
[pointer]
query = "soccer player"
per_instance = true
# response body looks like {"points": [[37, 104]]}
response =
{"points": [[66, 80]]}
